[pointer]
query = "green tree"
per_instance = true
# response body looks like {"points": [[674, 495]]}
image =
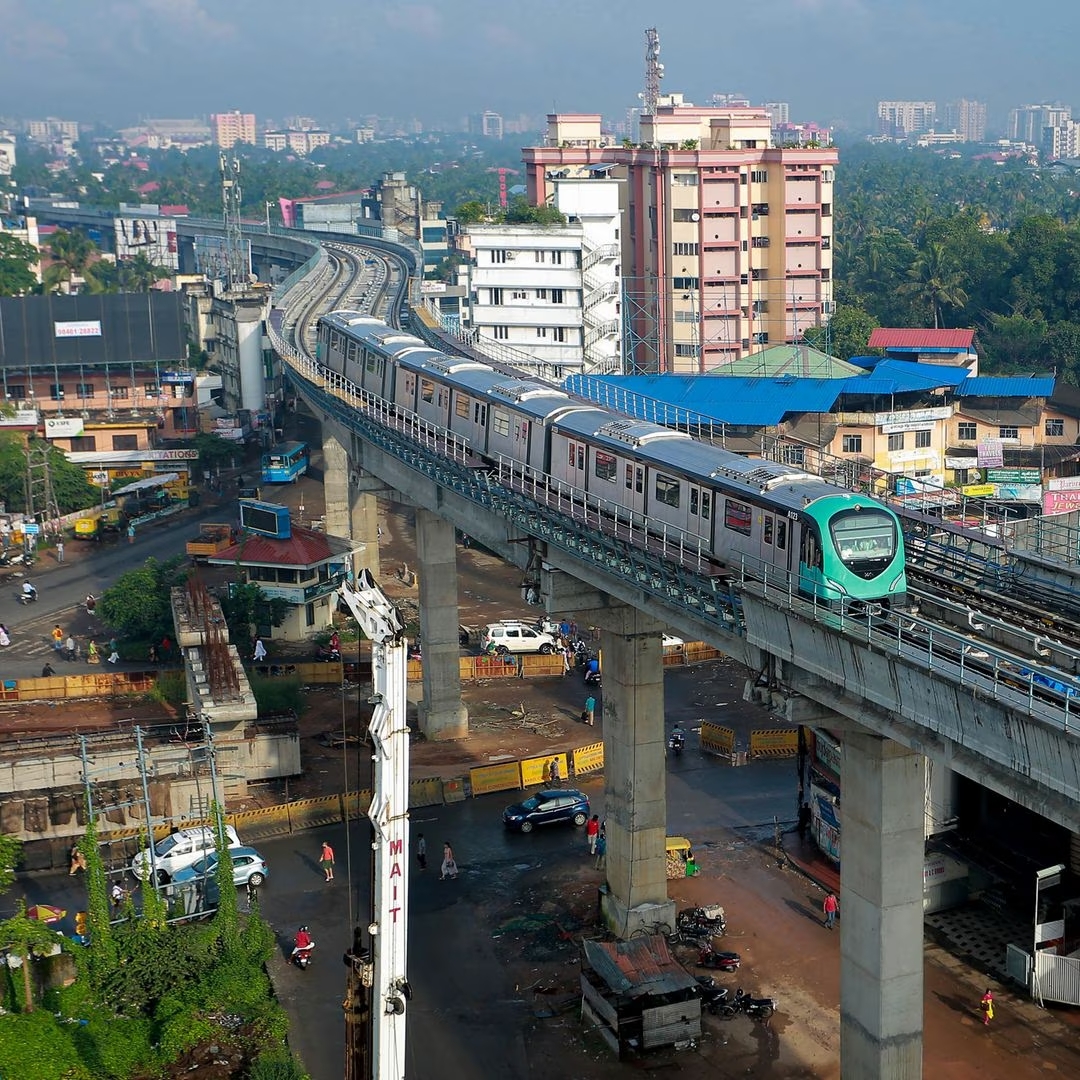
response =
{"points": [[1062, 348], [934, 281], [24, 937], [71, 252], [139, 275], [247, 607], [17, 261], [472, 212], [138, 605], [1014, 342], [70, 486], [10, 855], [214, 451], [846, 334], [522, 212]]}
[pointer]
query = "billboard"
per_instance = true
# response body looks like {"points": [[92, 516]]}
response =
{"points": [[86, 328], [154, 237]]}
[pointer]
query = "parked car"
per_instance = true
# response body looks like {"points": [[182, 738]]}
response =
{"points": [[179, 850], [513, 636], [548, 808], [248, 865]]}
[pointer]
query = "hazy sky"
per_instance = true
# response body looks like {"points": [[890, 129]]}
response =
{"points": [[117, 60]]}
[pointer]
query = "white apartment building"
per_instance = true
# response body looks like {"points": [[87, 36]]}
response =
{"points": [[900, 119], [52, 130], [1028, 123], [7, 153], [967, 119]]}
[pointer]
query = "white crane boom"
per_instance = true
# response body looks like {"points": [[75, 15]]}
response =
{"points": [[389, 815]]}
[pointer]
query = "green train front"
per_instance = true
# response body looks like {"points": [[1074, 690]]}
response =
{"points": [[852, 548]]}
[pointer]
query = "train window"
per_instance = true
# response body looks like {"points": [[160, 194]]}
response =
{"points": [[781, 534], [461, 406], [350, 352], [667, 490], [370, 362], [581, 456], [629, 477], [605, 466], [694, 501], [573, 450], [766, 533], [427, 390], [811, 553], [864, 535], [500, 423], [738, 516], [410, 385], [639, 481], [706, 505]]}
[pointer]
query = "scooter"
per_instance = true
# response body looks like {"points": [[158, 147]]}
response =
{"points": [[301, 957], [703, 920], [328, 655], [711, 993], [676, 742], [25, 598], [720, 961], [592, 673], [757, 1008]]}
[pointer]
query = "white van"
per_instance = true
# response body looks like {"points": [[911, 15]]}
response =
{"points": [[179, 850]]}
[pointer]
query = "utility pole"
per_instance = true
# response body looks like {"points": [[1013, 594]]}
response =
{"points": [[41, 504]]}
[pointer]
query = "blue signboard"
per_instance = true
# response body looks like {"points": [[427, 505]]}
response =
{"points": [[267, 519]]}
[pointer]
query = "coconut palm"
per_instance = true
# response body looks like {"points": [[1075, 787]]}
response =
{"points": [[140, 274], [72, 253], [935, 281]]}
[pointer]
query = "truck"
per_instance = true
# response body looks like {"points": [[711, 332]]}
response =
{"points": [[213, 537]]}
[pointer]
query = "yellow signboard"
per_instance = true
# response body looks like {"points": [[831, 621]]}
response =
{"points": [[588, 758], [505, 777], [978, 491]]}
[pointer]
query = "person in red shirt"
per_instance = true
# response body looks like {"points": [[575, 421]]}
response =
{"points": [[592, 831], [830, 907], [302, 941]]}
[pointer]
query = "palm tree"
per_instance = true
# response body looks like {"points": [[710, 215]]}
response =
{"points": [[935, 281], [140, 274], [71, 253], [25, 938]]}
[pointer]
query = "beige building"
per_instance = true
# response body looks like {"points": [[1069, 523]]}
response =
{"points": [[231, 128], [300, 142], [726, 239]]}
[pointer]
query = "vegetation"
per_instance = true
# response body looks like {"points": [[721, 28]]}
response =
{"points": [[519, 212], [277, 696], [138, 605], [17, 262], [70, 486], [246, 608]]}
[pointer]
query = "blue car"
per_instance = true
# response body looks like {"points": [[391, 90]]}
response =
{"points": [[548, 808]]}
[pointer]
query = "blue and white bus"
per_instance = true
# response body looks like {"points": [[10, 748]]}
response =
{"points": [[283, 463]]}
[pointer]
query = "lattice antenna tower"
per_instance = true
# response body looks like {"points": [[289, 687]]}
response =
{"points": [[231, 198], [40, 501], [654, 72]]}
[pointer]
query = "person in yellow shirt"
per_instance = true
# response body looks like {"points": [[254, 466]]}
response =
{"points": [[57, 638]]}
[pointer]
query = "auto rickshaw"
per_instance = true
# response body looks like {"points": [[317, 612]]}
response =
{"points": [[680, 858]]}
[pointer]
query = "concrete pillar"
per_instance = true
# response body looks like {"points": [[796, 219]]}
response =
{"points": [[635, 771], [336, 485], [364, 519], [442, 712], [881, 909]]}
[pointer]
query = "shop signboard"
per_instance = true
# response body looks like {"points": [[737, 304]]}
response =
{"points": [[1061, 502], [1013, 476]]}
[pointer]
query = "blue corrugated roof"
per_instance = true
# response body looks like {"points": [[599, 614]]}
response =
{"points": [[910, 375], [1023, 386]]}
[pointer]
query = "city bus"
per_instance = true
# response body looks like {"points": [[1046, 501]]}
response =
{"points": [[283, 463]]}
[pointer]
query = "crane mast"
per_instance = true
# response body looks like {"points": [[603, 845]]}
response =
{"points": [[377, 989]]}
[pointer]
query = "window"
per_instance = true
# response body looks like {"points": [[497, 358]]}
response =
{"points": [[738, 516], [125, 442], [684, 179], [966, 432], [499, 256], [826, 209], [557, 296], [767, 531], [16, 392], [500, 423], [680, 214], [501, 333], [496, 297], [1008, 432], [759, 241], [118, 393], [520, 294], [759, 275], [793, 455], [559, 333], [686, 249], [629, 477], [686, 350], [781, 534], [461, 406], [151, 389], [1055, 428], [309, 614], [84, 390], [760, 209], [759, 176], [427, 390], [80, 443], [667, 490], [761, 337], [541, 331], [56, 391], [604, 466], [541, 294], [685, 283], [896, 441], [922, 440], [556, 258]]}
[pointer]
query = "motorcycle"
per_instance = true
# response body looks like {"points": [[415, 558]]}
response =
{"points": [[676, 742], [719, 960], [25, 598], [301, 957], [328, 655], [711, 993], [757, 1008], [592, 673], [704, 921]]}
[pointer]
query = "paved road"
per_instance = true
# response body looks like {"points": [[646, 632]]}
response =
{"points": [[62, 587]]}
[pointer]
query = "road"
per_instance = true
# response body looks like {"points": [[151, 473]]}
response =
{"points": [[62, 587]]}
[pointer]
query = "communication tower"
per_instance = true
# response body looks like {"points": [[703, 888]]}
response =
{"points": [[231, 198], [654, 72]]}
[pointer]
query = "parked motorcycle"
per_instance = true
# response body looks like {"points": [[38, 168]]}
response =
{"points": [[720, 960], [328, 655], [712, 994], [757, 1008], [704, 921]]}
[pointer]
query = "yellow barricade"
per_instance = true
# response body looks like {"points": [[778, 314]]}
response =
{"points": [[415, 671], [716, 739], [495, 667], [768, 743], [355, 804], [537, 665], [697, 652], [537, 771], [503, 777], [425, 792], [588, 758]]}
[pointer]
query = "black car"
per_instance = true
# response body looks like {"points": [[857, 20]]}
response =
{"points": [[548, 808]]}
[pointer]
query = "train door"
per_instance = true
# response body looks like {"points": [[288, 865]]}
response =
{"points": [[810, 559], [575, 464], [767, 549], [785, 542], [521, 438], [634, 486], [699, 511]]}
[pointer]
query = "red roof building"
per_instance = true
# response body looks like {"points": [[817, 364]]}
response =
{"points": [[954, 348]]}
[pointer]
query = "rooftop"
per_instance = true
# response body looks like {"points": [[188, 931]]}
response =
{"points": [[305, 547], [891, 337]]}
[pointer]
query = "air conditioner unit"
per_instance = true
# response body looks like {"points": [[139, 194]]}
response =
{"points": [[828, 307]]}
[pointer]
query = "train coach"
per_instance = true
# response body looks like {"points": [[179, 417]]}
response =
{"points": [[765, 517]]}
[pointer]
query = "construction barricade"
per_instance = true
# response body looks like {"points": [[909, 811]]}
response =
{"points": [[717, 739], [503, 777], [766, 742], [588, 758]]}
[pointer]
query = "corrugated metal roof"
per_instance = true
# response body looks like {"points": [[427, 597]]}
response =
{"points": [[638, 966], [1007, 386], [802, 360], [907, 375], [891, 337]]}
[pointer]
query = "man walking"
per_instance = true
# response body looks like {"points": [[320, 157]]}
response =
{"points": [[601, 850], [326, 861], [553, 770], [830, 907], [57, 638], [592, 832], [260, 651], [590, 710], [421, 851]]}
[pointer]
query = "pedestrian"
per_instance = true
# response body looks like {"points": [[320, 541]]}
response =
{"points": [[47, 671], [114, 655], [567, 659], [564, 630], [421, 851], [78, 860], [5, 637], [260, 651], [326, 861], [592, 832], [601, 850], [830, 908], [57, 638], [60, 550], [590, 710], [92, 654], [449, 863], [553, 771], [118, 896], [987, 1006], [166, 648], [131, 533], [252, 894], [804, 820], [69, 648], [91, 603], [152, 654]]}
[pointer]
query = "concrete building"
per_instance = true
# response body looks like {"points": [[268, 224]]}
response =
{"points": [[166, 134], [726, 239], [300, 142], [1027, 123], [7, 153], [52, 130], [967, 119], [901, 119], [231, 128]]}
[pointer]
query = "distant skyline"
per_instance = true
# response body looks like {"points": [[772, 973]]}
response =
{"points": [[117, 61]]}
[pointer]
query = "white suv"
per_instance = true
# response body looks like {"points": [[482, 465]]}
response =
{"points": [[511, 636], [179, 850]]}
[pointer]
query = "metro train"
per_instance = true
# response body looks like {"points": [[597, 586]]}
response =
{"points": [[749, 512]]}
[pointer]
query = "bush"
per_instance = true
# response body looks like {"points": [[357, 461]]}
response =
{"points": [[36, 1046], [278, 695], [114, 1047], [170, 688], [183, 1031], [276, 1065]]}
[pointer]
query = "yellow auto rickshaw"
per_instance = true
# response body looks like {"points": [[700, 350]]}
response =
{"points": [[680, 858]]}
